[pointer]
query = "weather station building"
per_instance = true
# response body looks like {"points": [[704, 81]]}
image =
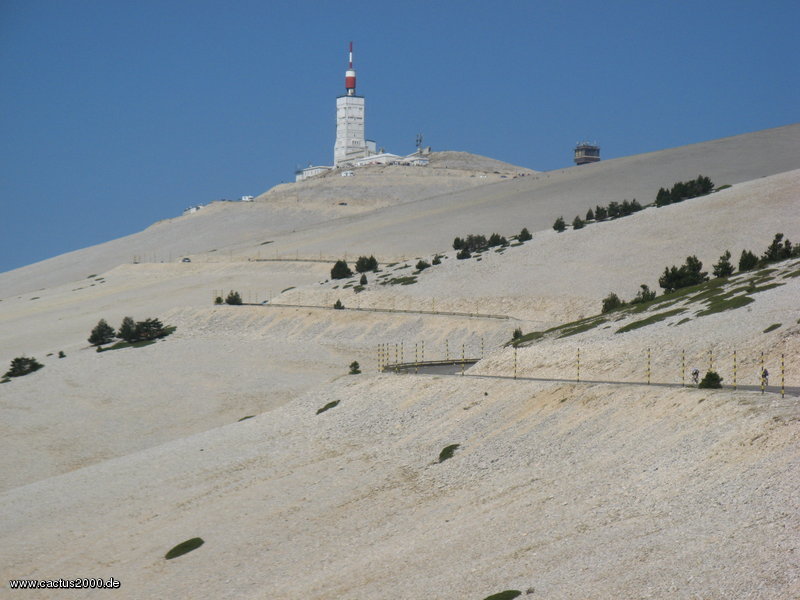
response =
{"points": [[586, 153]]}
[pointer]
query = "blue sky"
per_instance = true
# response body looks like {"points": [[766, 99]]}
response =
{"points": [[115, 114]]}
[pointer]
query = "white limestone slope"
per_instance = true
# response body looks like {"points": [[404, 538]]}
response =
{"points": [[557, 277], [572, 491]]}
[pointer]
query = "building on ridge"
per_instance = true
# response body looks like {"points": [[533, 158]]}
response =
{"points": [[586, 153]]}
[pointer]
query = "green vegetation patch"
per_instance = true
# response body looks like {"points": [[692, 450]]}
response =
{"points": [[401, 280], [447, 452], [567, 331], [650, 320], [682, 321], [723, 304], [184, 548], [328, 406], [245, 418], [529, 337], [506, 595], [764, 288], [772, 327]]}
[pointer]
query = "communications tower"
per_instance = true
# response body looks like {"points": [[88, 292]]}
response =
{"points": [[350, 142]]}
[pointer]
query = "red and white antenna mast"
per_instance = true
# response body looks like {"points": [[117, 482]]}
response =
{"points": [[350, 76]]}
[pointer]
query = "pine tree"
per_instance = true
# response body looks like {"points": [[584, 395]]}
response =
{"points": [[149, 329], [663, 197], [127, 331], [577, 223], [363, 264], [340, 270], [723, 268], [600, 213], [458, 243], [233, 298], [590, 215], [778, 250], [635, 206], [559, 225], [747, 261], [338, 305], [355, 368], [102, 333], [363, 280], [524, 235], [614, 210], [22, 365]]}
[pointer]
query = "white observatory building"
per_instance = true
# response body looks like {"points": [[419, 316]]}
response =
{"points": [[350, 142], [352, 149]]}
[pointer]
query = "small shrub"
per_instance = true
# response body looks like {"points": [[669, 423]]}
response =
{"points": [[363, 280], [338, 305], [328, 406], [559, 225], [233, 298], [645, 294], [524, 235], [506, 595], [772, 327], [517, 334], [218, 300], [61, 354], [340, 270], [447, 452], [458, 243], [437, 260], [355, 368], [711, 380], [23, 365], [463, 253], [184, 548], [612, 302], [422, 265]]}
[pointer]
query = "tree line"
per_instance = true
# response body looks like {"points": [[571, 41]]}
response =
{"points": [[681, 190], [691, 271]]}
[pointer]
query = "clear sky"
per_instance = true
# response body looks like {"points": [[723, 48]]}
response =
{"points": [[115, 114]]}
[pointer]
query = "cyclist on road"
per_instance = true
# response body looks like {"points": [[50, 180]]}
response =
{"points": [[764, 377], [695, 376]]}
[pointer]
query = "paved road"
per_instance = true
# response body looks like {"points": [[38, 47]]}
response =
{"points": [[455, 369]]}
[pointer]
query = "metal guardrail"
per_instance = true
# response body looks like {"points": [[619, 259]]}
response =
{"points": [[389, 310], [429, 363]]}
